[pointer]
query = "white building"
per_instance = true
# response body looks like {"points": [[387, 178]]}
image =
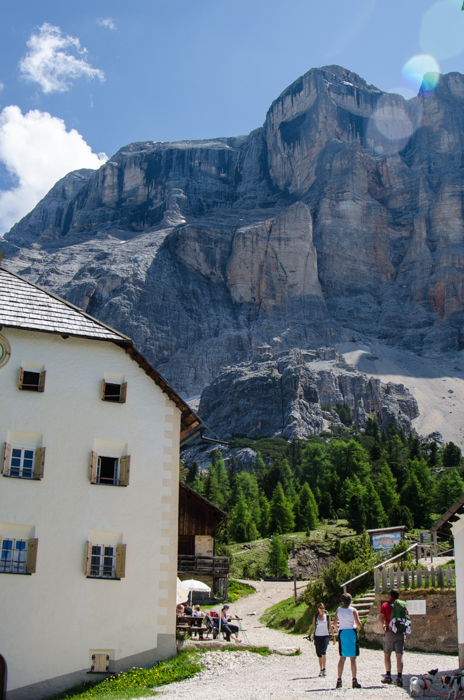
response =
{"points": [[453, 520], [88, 497]]}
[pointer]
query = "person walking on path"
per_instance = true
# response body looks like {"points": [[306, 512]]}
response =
{"points": [[322, 624], [347, 621], [391, 640]]}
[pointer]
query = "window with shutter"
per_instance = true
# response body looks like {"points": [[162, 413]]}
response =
{"points": [[93, 467], [105, 560], [100, 663], [109, 469], [114, 392], [30, 380], [21, 462], [17, 556]]}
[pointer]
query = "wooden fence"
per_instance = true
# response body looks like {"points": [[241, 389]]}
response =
{"points": [[439, 577]]}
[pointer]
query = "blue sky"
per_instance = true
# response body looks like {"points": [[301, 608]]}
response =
{"points": [[82, 79]]}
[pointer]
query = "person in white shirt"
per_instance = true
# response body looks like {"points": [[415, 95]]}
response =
{"points": [[347, 621], [322, 623]]}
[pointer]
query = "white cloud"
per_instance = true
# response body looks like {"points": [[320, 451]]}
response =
{"points": [[108, 23], [37, 151], [49, 63]]}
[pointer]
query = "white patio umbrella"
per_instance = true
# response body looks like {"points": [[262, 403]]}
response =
{"points": [[182, 592], [194, 585]]}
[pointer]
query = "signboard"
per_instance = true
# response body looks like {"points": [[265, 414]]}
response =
{"points": [[292, 563], [416, 607], [385, 541]]}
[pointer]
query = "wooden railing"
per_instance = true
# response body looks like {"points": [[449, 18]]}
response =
{"points": [[413, 578], [203, 564]]}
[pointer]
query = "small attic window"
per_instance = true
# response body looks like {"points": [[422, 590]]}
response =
{"points": [[115, 392], [31, 380]]}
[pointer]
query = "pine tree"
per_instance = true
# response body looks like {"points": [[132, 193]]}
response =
{"points": [[307, 509], [451, 455], [450, 487], [375, 514], [387, 489], [277, 558], [433, 455], [356, 514], [414, 498], [265, 515], [239, 522], [253, 533], [281, 515]]}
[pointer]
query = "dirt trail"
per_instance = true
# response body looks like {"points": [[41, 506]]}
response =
{"points": [[252, 677]]}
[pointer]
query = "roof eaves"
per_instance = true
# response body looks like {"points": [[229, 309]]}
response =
{"points": [[202, 498], [446, 520], [71, 306]]}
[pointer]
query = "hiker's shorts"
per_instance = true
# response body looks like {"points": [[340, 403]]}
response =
{"points": [[393, 641]]}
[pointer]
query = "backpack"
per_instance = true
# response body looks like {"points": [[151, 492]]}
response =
{"points": [[399, 620]]}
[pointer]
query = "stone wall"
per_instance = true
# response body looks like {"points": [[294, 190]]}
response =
{"points": [[435, 631]]}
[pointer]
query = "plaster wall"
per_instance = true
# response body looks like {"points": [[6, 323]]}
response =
{"points": [[52, 620], [458, 533]]}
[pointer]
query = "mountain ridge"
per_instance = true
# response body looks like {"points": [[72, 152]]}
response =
{"points": [[340, 218]]}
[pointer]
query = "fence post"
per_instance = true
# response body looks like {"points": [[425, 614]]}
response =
{"points": [[419, 577], [427, 577], [432, 574], [399, 577], [440, 577], [384, 579], [377, 581], [406, 577], [449, 577], [412, 576]]}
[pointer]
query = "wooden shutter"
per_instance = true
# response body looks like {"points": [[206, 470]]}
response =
{"points": [[100, 663], [42, 381], [88, 558], [6, 459], [103, 390], [93, 467], [20, 378], [39, 462], [120, 560], [123, 394], [31, 560], [124, 468]]}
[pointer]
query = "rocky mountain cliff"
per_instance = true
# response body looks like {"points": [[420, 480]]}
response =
{"points": [[294, 395], [341, 217]]}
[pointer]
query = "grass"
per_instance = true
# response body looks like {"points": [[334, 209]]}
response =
{"points": [[291, 617], [238, 590], [137, 682]]}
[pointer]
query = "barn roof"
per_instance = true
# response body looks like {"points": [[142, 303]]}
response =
{"points": [[27, 306]]}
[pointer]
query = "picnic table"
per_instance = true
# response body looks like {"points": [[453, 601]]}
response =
{"points": [[191, 624]]}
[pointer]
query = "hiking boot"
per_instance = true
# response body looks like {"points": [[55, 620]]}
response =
{"points": [[339, 683], [323, 672], [399, 681], [387, 678], [356, 684]]}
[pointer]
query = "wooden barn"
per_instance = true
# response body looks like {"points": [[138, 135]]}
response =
{"points": [[199, 521]]}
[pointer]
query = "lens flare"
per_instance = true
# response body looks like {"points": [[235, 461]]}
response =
{"points": [[390, 126], [442, 30], [417, 67]]}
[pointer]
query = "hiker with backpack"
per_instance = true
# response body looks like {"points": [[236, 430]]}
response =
{"points": [[395, 622]]}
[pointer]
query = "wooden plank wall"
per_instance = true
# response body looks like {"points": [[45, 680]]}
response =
{"points": [[195, 516]]}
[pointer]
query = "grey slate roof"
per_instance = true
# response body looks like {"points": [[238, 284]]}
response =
{"points": [[25, 305]]}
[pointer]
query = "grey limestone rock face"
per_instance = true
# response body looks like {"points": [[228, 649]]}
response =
{"points": [[283, 397], [341, 217]]}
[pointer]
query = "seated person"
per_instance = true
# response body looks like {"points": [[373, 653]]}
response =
{"points": [[180, 612], [197, 612], [226, 626], [188, 610]]}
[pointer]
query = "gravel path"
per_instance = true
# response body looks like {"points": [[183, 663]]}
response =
{"points": [[249, 676]]}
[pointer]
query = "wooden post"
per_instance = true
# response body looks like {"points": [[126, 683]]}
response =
{"points": [[427, 577], [419, 577], [377, 581], [294, 572], [384, 580], [406, 577]]}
